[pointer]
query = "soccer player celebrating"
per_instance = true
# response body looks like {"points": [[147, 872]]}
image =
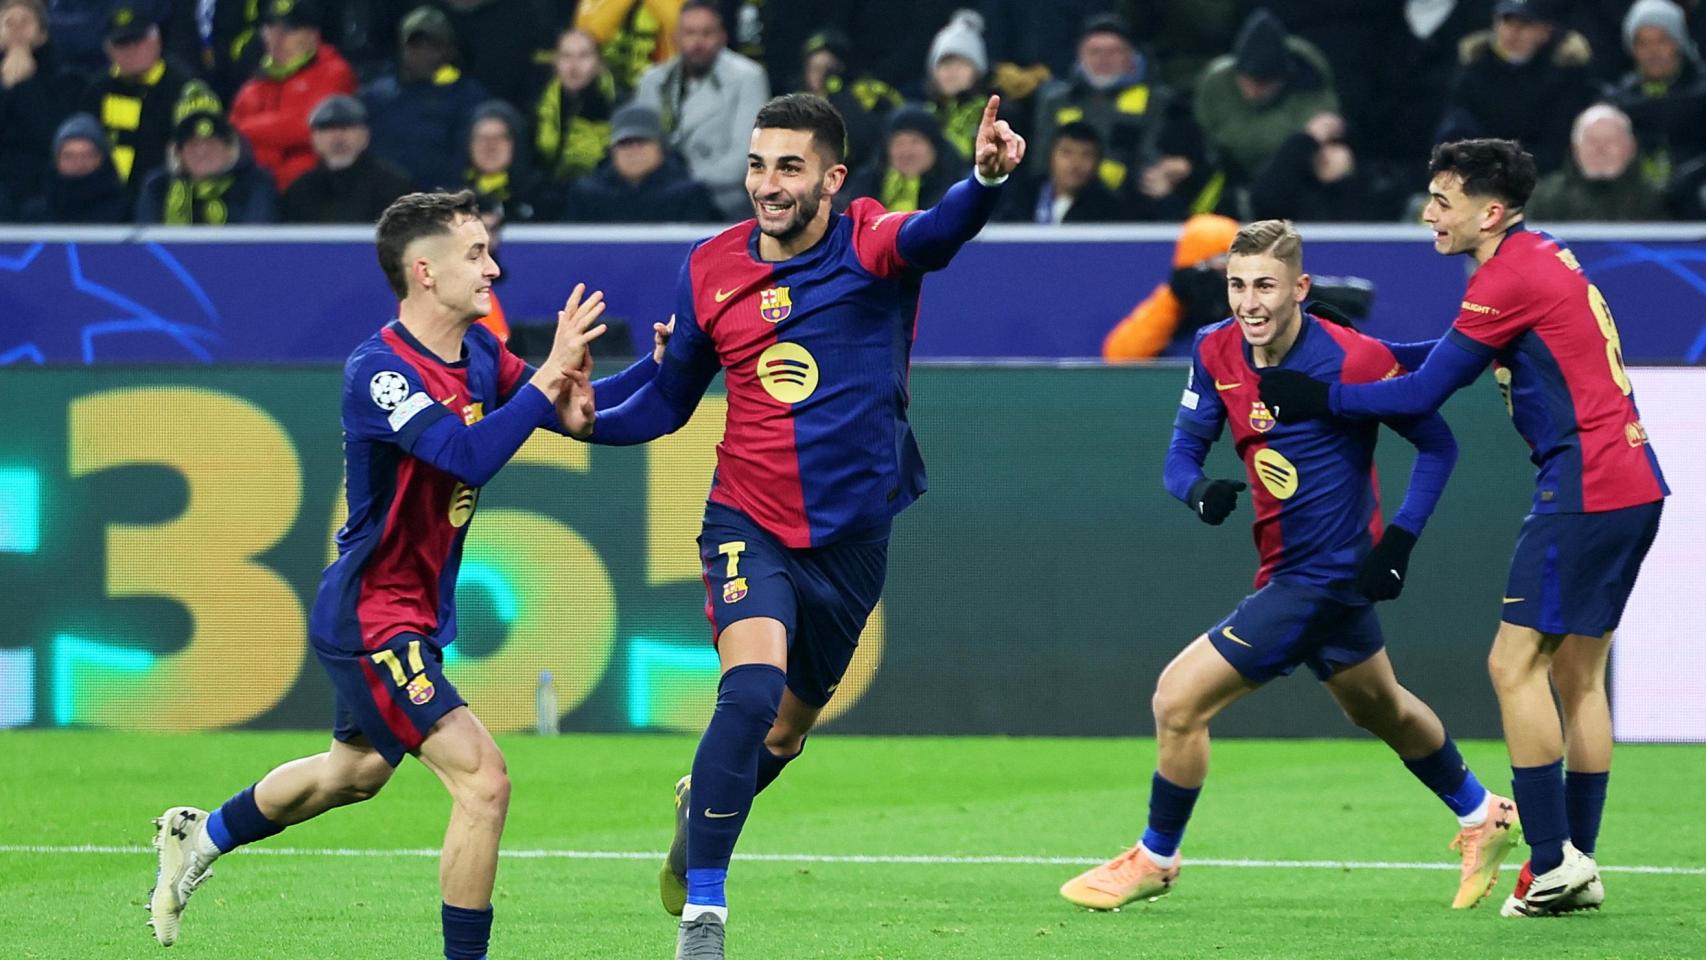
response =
{"points": [[433, 406], [1316, 503], [1533, 313], [811, 314]]}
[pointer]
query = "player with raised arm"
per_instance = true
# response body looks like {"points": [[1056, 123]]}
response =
{"points": [[433, 406], [1534, 315], [811, 315], [1316, 506]]}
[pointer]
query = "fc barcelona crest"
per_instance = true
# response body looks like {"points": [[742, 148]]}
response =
{"points": [[420, 691], [1261, 420], [774, 304], [734, 590]]}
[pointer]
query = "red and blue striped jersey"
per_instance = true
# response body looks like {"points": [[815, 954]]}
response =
{"points": [[1559, 362], [399, 551], [1313, 483], [816, 352]]}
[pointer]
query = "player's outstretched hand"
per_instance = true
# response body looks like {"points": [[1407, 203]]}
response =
{"points": [[999, 149], [577, 406], [1214, 500], [1381, 575], [1293, 397], [575, 329], [661, 332]]}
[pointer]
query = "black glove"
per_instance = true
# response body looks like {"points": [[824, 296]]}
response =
{"points": [[1214, 499], [1381, 576], [1293, 397]]}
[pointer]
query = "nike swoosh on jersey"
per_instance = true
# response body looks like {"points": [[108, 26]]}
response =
{"points": [[722, 295], [1227, 386], [721, 816], [1228, 634]]}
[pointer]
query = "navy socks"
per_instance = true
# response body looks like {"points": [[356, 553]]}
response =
{"points": [[725, 775], [238, 821]]}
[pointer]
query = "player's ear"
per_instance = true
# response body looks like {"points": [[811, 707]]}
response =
{"points": [[833, 178], [1301, 292], [421, 269]]}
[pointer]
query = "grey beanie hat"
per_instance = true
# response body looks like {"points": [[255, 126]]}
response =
{"points": [[1665, 15], [962, 37], [82, 126]]}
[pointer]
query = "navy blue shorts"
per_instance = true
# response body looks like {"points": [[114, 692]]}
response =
{"points": [[822, 595], [391, 696], [1573, 572], [1288, 623]]}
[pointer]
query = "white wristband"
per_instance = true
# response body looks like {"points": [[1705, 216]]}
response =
{"points": [[988, 182]]}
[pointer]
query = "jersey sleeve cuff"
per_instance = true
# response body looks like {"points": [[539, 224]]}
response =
{"points": [[987, 181]]}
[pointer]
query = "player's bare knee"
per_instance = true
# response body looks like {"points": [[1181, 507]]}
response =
{"points": [[367, 779], [785, 741], [485, 792], [1175, 715]]}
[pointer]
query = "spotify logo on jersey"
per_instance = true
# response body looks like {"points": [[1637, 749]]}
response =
{"points": [[1276, 473], [787, 372]]}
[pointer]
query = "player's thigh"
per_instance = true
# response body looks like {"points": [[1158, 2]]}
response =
{"points": [[750, 599], [460, 751], [1521, 654], [1197, 685], [355, 764], [1366, 688], [838, 586]]}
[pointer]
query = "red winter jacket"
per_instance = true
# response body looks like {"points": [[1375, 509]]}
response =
{"points": [[273, 114]]}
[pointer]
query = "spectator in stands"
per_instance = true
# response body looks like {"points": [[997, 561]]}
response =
{"points": [[77, 27], [1167, 320], [505, 45], [1070, 191], [349, 184], [1184, 37], [1419, 61], [632, 35], [82, 186], [418, 113], [1665, 94], [708, 96], [915, 169], [1526, 79], [864, 102], [956, 85], [207, 179], [1602, 180], [639, 182], [1147, 134], [1348, 33], [1314, 176], [35, 96], [134, 99], [298, 71], [1023, 35], [890, 37], [571, 119], [499, 167], [234, 48], [1250, 101]]}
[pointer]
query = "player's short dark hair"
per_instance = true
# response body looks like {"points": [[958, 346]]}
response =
{"points": [[411, 217], [716, 11], [809, 112], [1488, 168]]}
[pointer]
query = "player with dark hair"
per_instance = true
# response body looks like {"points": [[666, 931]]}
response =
{"points": [[1547, 330], [811, 315], [1316, 507], [433, 406]]}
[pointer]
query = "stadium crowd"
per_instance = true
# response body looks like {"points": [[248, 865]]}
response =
{"points": [[638, 111]]}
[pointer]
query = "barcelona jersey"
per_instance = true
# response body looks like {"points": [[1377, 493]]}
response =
{"points": [[399, 551], [1560, 363], [816, 352], [1313, 485]]}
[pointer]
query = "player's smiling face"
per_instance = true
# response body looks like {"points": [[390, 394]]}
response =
{"points": [[462, 269], [1456, 217], [1264, 293], [788, 180]]}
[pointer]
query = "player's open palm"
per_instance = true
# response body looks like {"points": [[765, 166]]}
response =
{"points": [[575, 329], [577, 406], [999, 149]]}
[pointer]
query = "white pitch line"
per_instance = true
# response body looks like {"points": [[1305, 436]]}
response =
{"points": [[537, 854]]}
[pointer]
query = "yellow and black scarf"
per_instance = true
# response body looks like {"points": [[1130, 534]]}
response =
{"points": [[574, 131], [198, 202]]}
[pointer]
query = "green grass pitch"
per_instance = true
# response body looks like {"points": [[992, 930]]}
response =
{"points": [[332, 891]]}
